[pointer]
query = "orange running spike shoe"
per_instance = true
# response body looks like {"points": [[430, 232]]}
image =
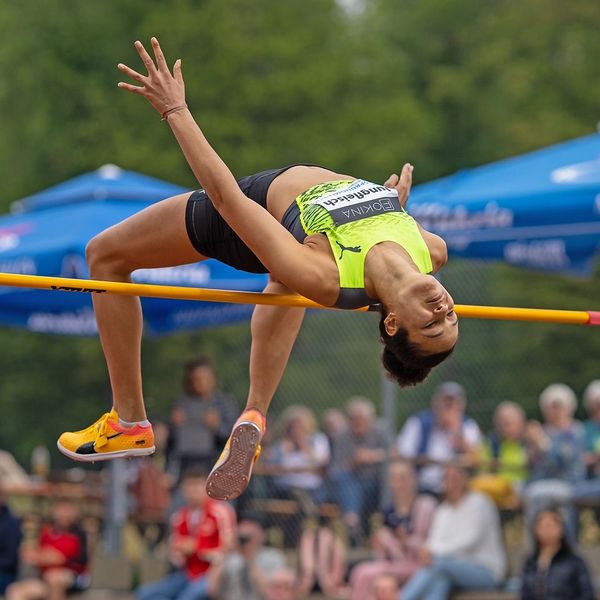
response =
{"points": [[106, 439], [231, 474]]}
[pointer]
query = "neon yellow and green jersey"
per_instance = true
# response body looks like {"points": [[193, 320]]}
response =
{"points": [[355, 216]]}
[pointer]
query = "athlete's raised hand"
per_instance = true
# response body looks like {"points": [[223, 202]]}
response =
{"points": [[402, 183], [165, 91]]}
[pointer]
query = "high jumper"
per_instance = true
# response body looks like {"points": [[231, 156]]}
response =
{"points": [[335, 239]]}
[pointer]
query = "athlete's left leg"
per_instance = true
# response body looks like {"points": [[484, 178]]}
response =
{"points": [[274, 331], [155, 237]]}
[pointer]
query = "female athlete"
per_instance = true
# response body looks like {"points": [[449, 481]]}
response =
{"points": [[335, 239]]}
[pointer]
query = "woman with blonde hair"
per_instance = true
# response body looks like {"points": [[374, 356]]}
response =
{"points": [[296, 462]]}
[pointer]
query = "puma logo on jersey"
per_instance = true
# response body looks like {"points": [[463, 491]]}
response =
{"points": [[356, 249]]}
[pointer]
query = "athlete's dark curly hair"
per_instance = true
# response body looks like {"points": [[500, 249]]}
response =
{"points": [[404, 361]]}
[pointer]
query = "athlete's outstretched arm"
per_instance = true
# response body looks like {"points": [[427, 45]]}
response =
{"points": [[294, 264]]}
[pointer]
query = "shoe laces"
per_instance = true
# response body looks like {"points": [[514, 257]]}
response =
{"points": [[99, 430]]}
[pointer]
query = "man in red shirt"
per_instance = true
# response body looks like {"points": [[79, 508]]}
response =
{"points": [[201, 530], [60, 556]]}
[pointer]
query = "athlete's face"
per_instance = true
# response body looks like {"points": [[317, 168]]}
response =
{"points": [[426, 310]]}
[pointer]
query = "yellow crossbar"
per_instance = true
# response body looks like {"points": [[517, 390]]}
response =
{"points": [[577, 317]]}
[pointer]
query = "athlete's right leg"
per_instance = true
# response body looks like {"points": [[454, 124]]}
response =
{"points": [[155, 237], [274, 331]]}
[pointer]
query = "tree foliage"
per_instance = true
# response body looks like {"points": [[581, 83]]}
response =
{"points": [[445, 85]]}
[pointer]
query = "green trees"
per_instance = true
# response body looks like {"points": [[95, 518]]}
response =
{"points": [[445, 85]]}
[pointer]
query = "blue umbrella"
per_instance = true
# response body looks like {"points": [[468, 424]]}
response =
{"points": [[539, 210], [48, 233]]}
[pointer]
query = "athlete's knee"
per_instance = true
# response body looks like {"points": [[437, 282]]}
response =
{"points": [[105, 256]]}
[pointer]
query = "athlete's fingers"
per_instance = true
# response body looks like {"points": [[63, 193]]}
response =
{"points": [[177, 73], [141, 91], [148, 62], [161, 63], [133, 74], [405, 183], [392, 181]]}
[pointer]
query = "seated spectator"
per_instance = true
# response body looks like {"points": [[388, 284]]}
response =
{"points": [[556, 450], [553, 571], [588, 491], [504, 458], [355, 472], [322, 562], [439, 435], [298, 458], [200, 532], [397, 545], [333, 422], [385, 587], [464, 549], [243, 573], [10, 540], [280, 585], [201, 420], [591, 400], [60, 556]]}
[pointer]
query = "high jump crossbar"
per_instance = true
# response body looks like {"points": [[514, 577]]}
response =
{"points": [[91, 286]]}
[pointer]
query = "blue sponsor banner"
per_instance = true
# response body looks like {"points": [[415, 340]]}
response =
{"points": [[48, 234], [540, 210]]}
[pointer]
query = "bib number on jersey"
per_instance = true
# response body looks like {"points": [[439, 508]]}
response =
{"points": [[360, 200]]}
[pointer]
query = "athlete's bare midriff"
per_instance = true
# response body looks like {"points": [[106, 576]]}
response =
{"points": [[291, 183]]}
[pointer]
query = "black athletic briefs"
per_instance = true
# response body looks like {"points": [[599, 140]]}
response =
{"points": [[213, 237]]}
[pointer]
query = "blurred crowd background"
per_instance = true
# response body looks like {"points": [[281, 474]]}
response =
{"points": [[340, 505], [348, 491]]}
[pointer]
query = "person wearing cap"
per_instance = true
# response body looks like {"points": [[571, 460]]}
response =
{"points": [[440, 435]]}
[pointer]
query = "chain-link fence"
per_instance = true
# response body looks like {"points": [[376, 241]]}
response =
{"points": [[337, 357]]}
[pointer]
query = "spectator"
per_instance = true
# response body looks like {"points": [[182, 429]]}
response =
{"points": [[504, 457], [397, 545], [298, 459], [151, 489], [10, 539], [202, 419], [11, 472], [280, 585], [333, 421], [554, 571], [243, 573], [322, 562], [200, 532], [385, 587], [358, 457], [60, 556], [464, 549], [556, 450], [591, 399], [588, 491], [439, 435]]}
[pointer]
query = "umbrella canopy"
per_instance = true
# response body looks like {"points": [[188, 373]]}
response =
{"points": [[47, 235], [539, 210]]}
